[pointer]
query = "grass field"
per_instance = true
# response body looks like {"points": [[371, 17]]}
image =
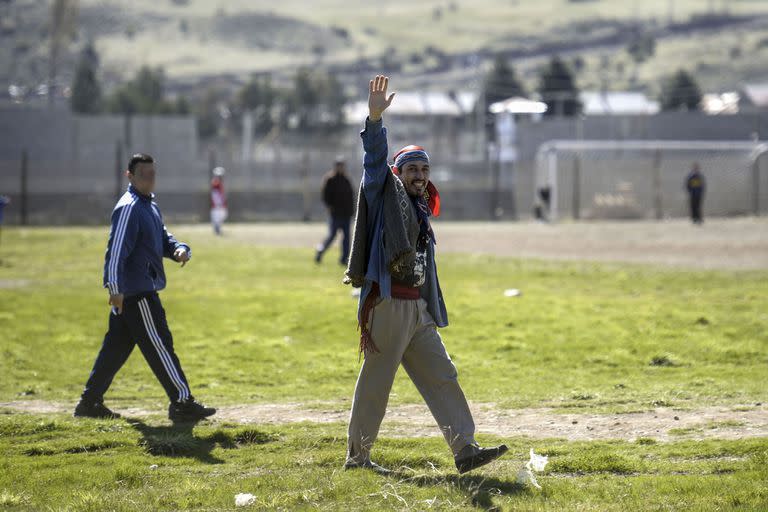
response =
{"points": [[263, 325]]}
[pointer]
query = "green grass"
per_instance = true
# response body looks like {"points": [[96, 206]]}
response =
{"points": [[256, 324], [55, 464]]}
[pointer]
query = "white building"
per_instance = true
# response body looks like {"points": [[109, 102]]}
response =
{"points": [[599, 103]]}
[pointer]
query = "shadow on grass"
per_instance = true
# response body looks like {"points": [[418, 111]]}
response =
{"points": [[178, 440], [480, 489]]}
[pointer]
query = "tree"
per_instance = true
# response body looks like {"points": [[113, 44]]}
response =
{"points": [[558, 89], [305, 98], [148, 88], [334, 99], [207, 113], [62, 24], [316, 101], [86, 91], [641, 47], [259, 96], [145, 94], [680, 92], [182, 106], [501, 82]]}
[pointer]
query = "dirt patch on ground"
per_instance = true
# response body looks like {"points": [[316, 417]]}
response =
{"points": [[740, 243], [414, 420], [6, 284]]}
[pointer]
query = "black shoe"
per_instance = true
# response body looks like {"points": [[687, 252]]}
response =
{"points": [[381, 470], [90, 409], [472, 456], [189, 410], [318, 257]]}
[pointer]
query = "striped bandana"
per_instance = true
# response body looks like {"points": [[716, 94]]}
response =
{"points": [[414, 153], [410, 154]]}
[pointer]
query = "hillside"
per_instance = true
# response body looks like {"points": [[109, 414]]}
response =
{"points": [[195, 41]]}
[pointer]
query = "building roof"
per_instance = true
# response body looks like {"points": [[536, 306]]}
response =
{"points": [[518, 105], [617, 103], [418, 104], [720, 103], [756, 94]]}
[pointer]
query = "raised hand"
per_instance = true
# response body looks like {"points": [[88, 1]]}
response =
{"points": [[378, 101]]}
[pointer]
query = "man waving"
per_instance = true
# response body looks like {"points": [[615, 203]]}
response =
{"points": [[401, 305]]}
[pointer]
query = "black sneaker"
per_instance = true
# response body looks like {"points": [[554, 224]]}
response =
{"points": [[90, 409], [472, 456], [189, 410], [381, 470]]}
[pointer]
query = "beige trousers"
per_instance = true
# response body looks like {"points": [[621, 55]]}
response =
{"points": [[404, 332]]}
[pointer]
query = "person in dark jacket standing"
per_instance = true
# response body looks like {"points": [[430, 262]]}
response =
{"points": [[339, 199], [694, 184], [133, 274]]}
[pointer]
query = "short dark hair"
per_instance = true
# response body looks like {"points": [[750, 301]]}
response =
{"points": [[139, 158]]}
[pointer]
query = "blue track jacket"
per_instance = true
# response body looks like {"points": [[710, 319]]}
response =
{"points": [[375, 169], [137, 243]]}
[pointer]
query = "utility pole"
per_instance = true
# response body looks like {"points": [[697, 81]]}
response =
{"points": [[63, 13], [24, 194], [671, 12]]}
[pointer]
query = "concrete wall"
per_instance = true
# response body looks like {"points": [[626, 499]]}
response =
{"points": [[73, 175], [72, 167]]}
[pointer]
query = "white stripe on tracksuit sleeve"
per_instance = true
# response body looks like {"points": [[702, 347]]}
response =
{"points": [[121, 241]]}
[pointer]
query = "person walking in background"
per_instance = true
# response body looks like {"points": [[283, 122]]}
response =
{"points": [[218, 200], [401, 304], [4, 200], [133, 274], [695, 185], [340, 202]]}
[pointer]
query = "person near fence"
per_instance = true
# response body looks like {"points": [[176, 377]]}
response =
{"points": [[339, 199], [401, 304], [695, 185], [219, 210], [4, 200], [133, 274]]}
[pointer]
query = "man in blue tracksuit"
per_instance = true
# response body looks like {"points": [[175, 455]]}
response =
{"points": [[133, 274]]}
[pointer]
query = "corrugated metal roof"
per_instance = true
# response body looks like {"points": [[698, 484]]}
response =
{"points": [[617, 102]]}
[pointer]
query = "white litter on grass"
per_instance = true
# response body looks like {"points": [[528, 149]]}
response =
{"points": [[512, 292], [244, 499], [153, 466], [535, 463]]}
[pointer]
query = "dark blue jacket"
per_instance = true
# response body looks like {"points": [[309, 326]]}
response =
{"points": [[137, 243], [375, 169], [695, 184]]}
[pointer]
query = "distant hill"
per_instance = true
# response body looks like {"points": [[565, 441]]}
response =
{"points": [[430, 43]]}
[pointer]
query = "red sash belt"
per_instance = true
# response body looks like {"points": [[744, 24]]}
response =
{"points": [[401, 291]]}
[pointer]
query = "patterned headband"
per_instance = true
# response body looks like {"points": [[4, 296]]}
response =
{"points": [[410, 154]]}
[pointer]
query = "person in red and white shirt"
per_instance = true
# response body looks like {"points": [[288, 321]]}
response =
{"points": [[218, 200]]}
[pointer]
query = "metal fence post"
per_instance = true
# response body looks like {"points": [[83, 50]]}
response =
{"points": [[118, 169], [23, 200], [756, 186], [657, 185], [577, 186]]}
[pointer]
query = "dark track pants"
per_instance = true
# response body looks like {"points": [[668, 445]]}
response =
{"points": [[696, 207], [336, 224], [142, 322]]}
